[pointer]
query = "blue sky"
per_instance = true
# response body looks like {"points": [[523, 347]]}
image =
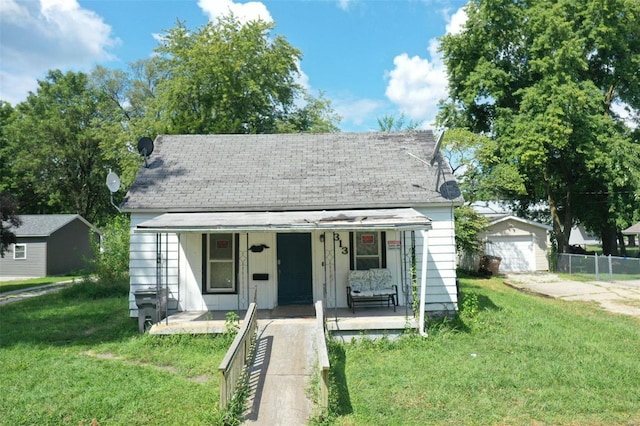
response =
{"points": [[369, 57]]}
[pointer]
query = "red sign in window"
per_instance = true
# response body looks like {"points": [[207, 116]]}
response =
{"points": [[367, 239]]}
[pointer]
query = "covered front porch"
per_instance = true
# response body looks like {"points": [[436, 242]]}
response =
{"points": [[283, 262], [342, 323]]}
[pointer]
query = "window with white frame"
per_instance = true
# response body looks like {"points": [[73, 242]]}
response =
{"points": [[368, 250], [221, 263], [19, 251]]}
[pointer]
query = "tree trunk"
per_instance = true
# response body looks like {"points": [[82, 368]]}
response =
{"points": [[561, 225], [609, 238], [623, 249]]}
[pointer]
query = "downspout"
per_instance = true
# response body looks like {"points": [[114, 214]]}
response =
{"points": [[423, 282]]}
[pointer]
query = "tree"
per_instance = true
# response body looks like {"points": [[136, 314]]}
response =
{"points": [[480, 174], [390, 123], [56, 147], [6, 116], [8, 219], [540, 78], [228, 77]]}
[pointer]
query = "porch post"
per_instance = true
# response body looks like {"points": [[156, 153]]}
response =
{"points": [[423, 281]]}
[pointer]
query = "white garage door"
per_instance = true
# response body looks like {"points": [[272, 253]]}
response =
{"points": [[517, 252]]}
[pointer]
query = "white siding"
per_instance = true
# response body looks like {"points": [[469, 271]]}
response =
{"points": [[441, 291], [183, 258], [143, 263]]}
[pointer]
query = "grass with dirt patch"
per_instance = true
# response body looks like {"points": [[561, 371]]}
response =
{"points": [[75, 356], [511, 358], [12, 285]]}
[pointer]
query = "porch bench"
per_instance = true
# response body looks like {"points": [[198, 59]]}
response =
{"points": [[372, 286]]}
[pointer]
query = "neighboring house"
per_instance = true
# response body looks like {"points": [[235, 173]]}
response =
{"points": [[223, 220], [54, 244], [521, 244], [632, 232], [580, 237]]}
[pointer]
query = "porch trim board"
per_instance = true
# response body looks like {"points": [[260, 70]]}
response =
{"points": [[401, 218]]}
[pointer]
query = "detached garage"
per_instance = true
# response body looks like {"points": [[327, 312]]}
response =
{"points": [[54, 244], [522, 244]]}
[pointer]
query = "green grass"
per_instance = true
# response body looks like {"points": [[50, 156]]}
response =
{"points": [[12, 285], [520, 359], [75, 356], [631, 251]]}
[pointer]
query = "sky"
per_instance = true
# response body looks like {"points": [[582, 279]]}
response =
{"points": [[370, 58]]}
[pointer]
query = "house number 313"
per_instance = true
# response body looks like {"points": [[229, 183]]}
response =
{"points": [[336, 238]]}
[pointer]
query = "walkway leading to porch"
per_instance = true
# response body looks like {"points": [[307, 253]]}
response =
{"points": [[282, 372], [286, 357]]}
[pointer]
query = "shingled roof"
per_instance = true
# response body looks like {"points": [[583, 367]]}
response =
{"points": [[43, 225], [197, 173]]}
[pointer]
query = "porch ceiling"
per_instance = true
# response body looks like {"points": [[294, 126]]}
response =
{"points": [[401, 218]]}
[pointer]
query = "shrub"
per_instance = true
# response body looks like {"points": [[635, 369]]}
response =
{"points": [[111, 260]]}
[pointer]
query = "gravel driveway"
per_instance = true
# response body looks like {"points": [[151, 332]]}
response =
{"points": [[622, 297]]}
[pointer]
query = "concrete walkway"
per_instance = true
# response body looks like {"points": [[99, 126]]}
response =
{"points": [[280, 378], [622, 297]]}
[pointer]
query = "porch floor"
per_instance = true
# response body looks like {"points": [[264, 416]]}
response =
{"points": [[340, 322]]}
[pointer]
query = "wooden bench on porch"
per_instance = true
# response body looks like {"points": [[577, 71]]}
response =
{"points": [[372, 286]]}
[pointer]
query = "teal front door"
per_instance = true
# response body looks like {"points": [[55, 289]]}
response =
{"points": [[294, 269]]}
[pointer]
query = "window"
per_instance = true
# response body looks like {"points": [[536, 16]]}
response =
{"points": [[369, 250], [19, 251], [219, 269]]}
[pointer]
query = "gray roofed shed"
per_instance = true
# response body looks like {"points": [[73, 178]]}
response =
{"points": [[632, 230], [192, 173], [54, 244], [39, 225]]}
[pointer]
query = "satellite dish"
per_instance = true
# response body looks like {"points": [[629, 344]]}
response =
{"points": [[145, 146], [437, 148], [113, 182]]}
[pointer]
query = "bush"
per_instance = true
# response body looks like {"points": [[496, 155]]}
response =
{"points": [[111, 261]]}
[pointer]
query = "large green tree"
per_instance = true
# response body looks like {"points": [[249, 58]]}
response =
{"points": [[9, 220], [540, 79], [58, 147], [229, 77]]}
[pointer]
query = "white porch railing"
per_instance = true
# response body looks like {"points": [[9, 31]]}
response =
{"points": [[323, 358], [235, 362]]}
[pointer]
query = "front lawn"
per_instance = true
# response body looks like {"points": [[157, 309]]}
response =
{"points": [[75, 356], [12, 285], [520, 359]]}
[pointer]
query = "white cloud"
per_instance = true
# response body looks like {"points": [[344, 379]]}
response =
{"points": [[39, 35], [355, 111], [245, 12], [455, 23], [302, 78], [416, 84], [344, 4]]}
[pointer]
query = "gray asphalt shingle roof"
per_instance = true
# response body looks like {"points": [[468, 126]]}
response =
{"points": [[43, 225], [291, 172]]}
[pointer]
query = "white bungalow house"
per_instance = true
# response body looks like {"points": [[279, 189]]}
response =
{"points": [[223, 220]]}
